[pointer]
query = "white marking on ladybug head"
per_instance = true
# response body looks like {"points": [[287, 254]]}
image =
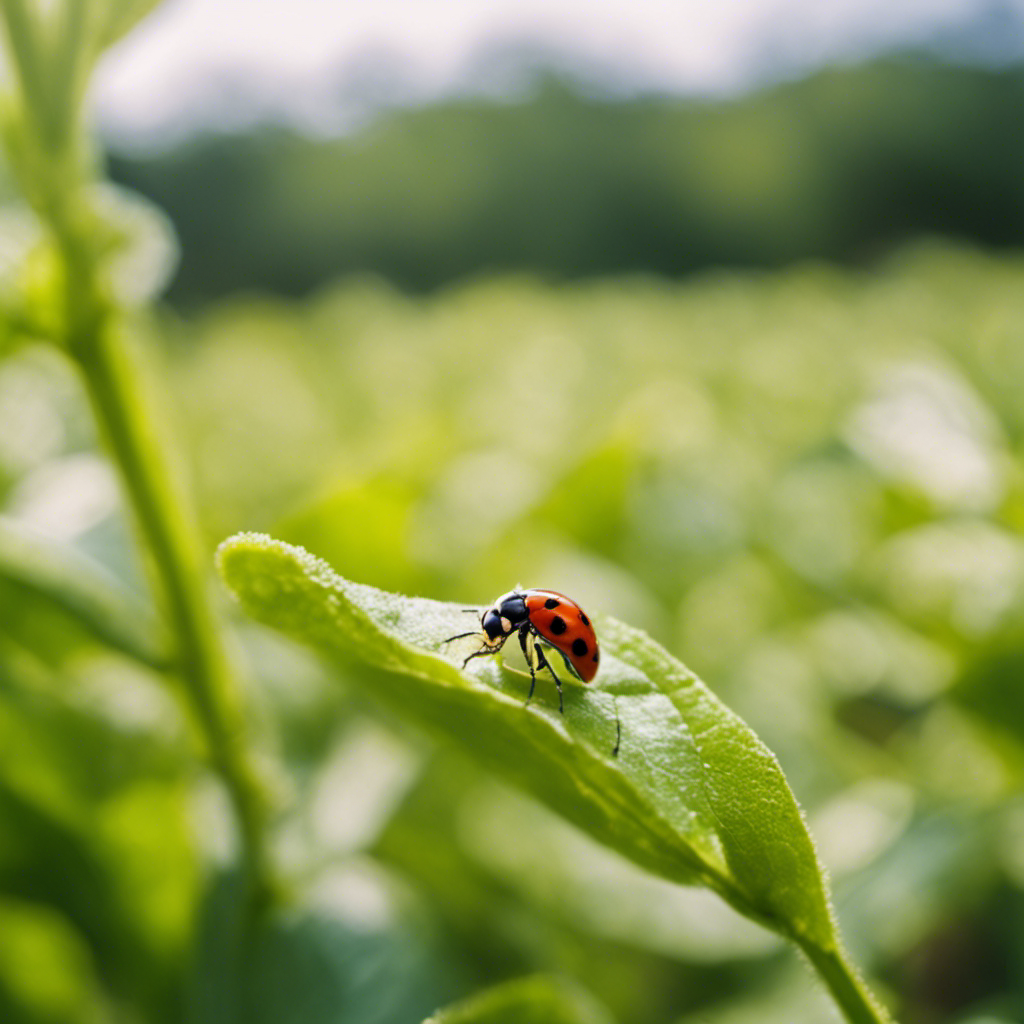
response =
{"points": [[506, 625]]}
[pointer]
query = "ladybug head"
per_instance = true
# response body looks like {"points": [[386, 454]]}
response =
{"points": [[507, 615], [493, 626]]}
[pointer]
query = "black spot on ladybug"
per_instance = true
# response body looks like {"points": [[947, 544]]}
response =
{"points": [[597, 655], [579, 647], [584, 619], [557, 625], [551, 602]]}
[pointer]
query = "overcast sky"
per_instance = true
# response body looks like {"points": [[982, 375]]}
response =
{"points": [[215, 63]]}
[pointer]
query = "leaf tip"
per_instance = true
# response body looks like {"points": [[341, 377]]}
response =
{"points": [[257, 569]]}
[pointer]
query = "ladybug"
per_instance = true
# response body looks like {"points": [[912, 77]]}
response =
{"points": [[544, 619]]}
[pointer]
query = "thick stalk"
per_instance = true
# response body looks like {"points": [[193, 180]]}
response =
{"points": [[846, 987], [117, 391], [93, 332], [49, 157]]}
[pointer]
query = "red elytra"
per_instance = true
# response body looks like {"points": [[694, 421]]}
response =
{"points": [[562, 623]]}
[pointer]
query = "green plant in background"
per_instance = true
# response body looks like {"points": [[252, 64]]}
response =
{"points": [[52, 50], [79, 285], [826, 167], [809, 483]]}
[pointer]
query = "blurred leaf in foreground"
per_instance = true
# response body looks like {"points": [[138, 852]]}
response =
{"points": [[534, 1000], [42, 572], [694, 795], [346, 949]]}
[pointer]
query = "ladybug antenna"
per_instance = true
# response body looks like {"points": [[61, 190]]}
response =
{"points": [[460, 636]]}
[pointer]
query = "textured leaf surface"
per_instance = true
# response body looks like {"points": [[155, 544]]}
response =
{"points": [[693, 794]]}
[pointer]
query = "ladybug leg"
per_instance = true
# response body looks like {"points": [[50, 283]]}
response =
{"points": [[571, 667], [476, 654], [484, 650], [482, 653], [543, 662], [529, 647]]}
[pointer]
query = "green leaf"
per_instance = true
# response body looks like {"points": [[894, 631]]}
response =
{"points": [[94, 823], [693, 795], [480, 848], [539, 999], [45, 573], [317, 959], [48, 860], [45, 970], [763, 836]]}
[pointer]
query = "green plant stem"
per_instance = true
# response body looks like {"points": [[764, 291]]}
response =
{"points": [[845, 985], [118, 390], [55, 178], [113, 385]]}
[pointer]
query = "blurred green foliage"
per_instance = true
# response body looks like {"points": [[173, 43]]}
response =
{"points": [[842, 165], [534, 1000], [806, 484]]}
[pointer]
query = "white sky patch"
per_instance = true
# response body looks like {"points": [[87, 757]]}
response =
{"points": [[223, 63]]}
